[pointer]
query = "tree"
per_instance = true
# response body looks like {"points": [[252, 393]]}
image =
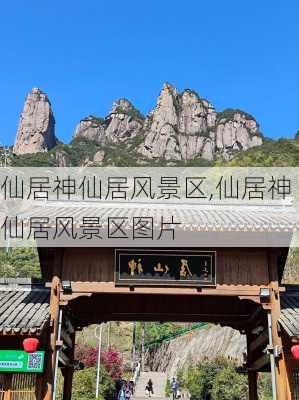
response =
{"points": [[85, 381], [265, 386], [113, 362], [199, 380], [88, 355], [229, 385], [19, 263], [111, 359], [214, 380]]}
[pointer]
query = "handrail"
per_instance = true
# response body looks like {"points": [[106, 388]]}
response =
{"points": [[174, 335]]}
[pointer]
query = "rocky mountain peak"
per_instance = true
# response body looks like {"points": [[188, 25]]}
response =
{"points": [[182, 126], [122, 123], [236, 130], [90, 128], [36, 131], [122, 105], [168, 88], [165, 111]]}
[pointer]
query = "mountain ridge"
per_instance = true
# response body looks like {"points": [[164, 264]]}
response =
{"points": [[181, 127]]}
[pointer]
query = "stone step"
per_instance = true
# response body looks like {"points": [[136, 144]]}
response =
{"points": [[159, 380]]}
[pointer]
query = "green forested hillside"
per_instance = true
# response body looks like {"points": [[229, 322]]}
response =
{"points": [[280, 153]]}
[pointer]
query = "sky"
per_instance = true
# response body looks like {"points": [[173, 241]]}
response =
{"points": [[86, 54]]}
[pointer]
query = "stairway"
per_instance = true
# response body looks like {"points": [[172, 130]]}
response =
{"points": [[159, 380]]}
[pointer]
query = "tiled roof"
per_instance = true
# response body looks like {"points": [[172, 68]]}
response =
{"points": [[191, 216], [289, 318], [24, 309]]}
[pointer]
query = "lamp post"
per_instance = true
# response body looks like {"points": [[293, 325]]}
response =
{"points": [[99, 337], [108, 335], [142, 345]]}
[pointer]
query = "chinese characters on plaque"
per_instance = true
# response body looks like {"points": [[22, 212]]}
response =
{"points": [[165, 267]]}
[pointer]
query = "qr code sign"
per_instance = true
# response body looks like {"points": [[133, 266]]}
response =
{"points": [[35, 361]]}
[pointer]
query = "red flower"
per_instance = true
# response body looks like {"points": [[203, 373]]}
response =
{"points": [[111, 359]]}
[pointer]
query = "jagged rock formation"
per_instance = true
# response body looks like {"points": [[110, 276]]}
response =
{"points": [[207, 343], [182, 126], [99, 157], [236, 130], [90, 128], [123, 122], [36, 131]]}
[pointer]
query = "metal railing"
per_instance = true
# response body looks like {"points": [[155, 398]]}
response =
{"points": [[179, 332]]}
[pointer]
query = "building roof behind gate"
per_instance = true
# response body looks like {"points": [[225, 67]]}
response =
{"points": [[200, 217], [24, 307], [289, 318]]}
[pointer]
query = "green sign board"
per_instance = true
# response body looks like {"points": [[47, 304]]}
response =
{"points": [[21, 361]]}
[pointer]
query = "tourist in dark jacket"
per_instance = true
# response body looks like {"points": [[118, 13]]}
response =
{"points": [[149, 388]]}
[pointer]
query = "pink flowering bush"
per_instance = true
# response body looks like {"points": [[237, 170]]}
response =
{"points": [[111, 359]]}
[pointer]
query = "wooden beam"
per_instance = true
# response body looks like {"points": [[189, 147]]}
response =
{"points": [[260, 362], [87, 288], [255, 317], [7, 387], [51, 354], [283, 384], [252, 385], [64, 359], [260, 341], [69, 326], [7, 394], [69, 372], [66, 338], [252, 375]]}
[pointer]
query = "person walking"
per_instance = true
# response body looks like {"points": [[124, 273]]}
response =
{"points": [[128, 392], [132, 387], [122, 394], [149, 388], [174, 388], [118, 386]]}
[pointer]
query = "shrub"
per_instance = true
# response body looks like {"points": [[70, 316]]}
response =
{"points": [[111, 359], [19, 263], [209, 380], [229, 113], [200, 379], [229, 385], [88, 355], [113, 363], [264, 386], [84, 384]]}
